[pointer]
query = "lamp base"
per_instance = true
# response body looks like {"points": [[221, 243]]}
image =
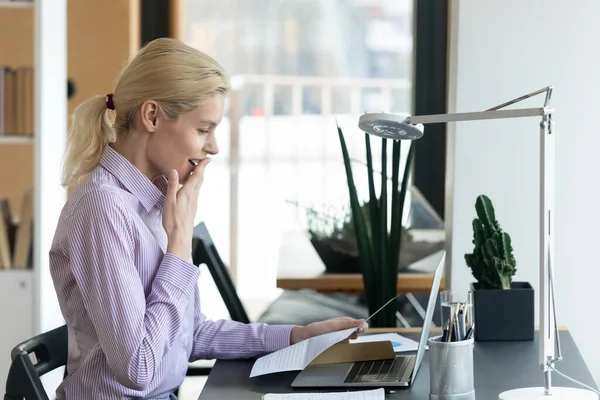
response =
{"points": [[557, 393]]}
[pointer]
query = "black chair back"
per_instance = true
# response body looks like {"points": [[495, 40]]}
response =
{"points": [[50, 351], [205, 252]]}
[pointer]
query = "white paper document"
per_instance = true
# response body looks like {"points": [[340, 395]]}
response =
{"points": [[399, 343], [376, 394], [297, 356]]}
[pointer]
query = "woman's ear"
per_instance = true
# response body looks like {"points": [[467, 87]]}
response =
{"points": [[149, 114]]}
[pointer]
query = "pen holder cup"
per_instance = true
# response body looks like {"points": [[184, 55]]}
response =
{"points": [[451, 372]]}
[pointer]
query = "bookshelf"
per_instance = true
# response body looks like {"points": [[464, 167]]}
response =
{"points": [[28, 304]]}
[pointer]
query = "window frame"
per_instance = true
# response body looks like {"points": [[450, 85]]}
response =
{"points": [[430, 80]]}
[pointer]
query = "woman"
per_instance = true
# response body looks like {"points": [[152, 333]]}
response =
{"points": [[121, 256]]}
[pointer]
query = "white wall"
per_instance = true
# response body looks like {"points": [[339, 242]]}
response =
{"points": [[50, 140], [499, 51]]}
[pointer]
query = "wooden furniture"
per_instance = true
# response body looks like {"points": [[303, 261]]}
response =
{"points": [[89, 42], [101, 37], [299, 267], [33, 34], [17, 44], [498, 366]]}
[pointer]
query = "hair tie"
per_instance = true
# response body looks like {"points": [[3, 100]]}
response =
{"points": [[109, 102]]}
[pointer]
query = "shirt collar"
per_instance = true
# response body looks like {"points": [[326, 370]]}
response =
{"points": [[149, 194]]}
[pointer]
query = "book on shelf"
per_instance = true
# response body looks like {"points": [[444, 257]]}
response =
{"points": [[16, 100], [16, 237], [6, 231]]}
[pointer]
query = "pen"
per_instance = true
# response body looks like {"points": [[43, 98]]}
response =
{"points": [[452, 333], [469, 332], [461, 322], [446, 331]]}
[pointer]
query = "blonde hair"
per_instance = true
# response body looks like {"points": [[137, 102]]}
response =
{"points": [[175, 75]]}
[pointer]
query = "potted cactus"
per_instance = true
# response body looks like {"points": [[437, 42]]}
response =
{"points": [[504, 310]]}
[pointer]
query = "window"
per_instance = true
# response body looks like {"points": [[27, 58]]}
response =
{"points": [[297, 67]]}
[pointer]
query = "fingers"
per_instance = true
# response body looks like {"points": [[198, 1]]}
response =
{"points": [[347, 322], [173, 182], [363, 327], [351, 323], [195, 180]]}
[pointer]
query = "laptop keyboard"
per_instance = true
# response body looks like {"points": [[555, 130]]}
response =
{"points": [[378, 371]]}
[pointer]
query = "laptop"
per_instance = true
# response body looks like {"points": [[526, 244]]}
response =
{"points": [[398, 372]]}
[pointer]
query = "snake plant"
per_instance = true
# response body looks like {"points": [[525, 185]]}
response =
{"points": [[378, 232]]}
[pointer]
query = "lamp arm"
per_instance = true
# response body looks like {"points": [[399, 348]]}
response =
{"points": [[492, 113], [547, 90], [479, 115]]}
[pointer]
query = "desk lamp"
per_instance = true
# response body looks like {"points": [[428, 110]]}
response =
{"points": [[395, 127]]}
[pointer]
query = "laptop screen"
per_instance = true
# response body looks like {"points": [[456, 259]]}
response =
{"points": [[433, 295]]}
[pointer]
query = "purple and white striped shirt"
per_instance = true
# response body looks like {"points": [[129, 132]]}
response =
{"points": [[133, 310]]}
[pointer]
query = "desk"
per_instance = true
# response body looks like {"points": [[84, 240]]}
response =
{"points": [[498, 366], [300, 267]]}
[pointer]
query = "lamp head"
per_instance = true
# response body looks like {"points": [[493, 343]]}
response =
{"points": [[390, 126]]}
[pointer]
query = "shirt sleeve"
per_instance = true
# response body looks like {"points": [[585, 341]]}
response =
{"points": [[134, 332], [226, 339]]}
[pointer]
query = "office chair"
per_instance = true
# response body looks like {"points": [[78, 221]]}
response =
{"points": [[50, 351], [205, 252]]}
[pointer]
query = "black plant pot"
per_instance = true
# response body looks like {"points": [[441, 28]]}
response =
{"points": [[341, 257], [338, 256], [504, 315]]}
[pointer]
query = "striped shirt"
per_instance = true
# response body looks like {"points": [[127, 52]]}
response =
{"points": [[132, 309]]}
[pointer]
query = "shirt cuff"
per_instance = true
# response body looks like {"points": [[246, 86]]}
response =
{"points": [[177, 272], [277, 337]]}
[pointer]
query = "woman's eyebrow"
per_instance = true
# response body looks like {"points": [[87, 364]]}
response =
{"points": [[208, 121]]}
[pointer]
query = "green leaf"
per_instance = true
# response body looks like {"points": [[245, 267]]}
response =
{"points": [[364, 249], [373, 208], [396, 222], [402, 197], [382, 248]]}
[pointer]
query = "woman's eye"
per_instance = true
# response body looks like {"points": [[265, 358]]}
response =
{"points": [[203, 131]]}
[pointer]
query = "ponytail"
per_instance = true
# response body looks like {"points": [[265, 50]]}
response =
{"points": [[90, 132]]}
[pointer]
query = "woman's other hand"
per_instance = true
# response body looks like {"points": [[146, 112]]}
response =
{"points": [[300, 333]]}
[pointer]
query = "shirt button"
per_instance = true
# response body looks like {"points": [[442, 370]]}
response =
{"points": [[157, 212]]}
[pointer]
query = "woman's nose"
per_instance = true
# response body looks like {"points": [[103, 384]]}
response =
{"points": [[211, 147]]}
